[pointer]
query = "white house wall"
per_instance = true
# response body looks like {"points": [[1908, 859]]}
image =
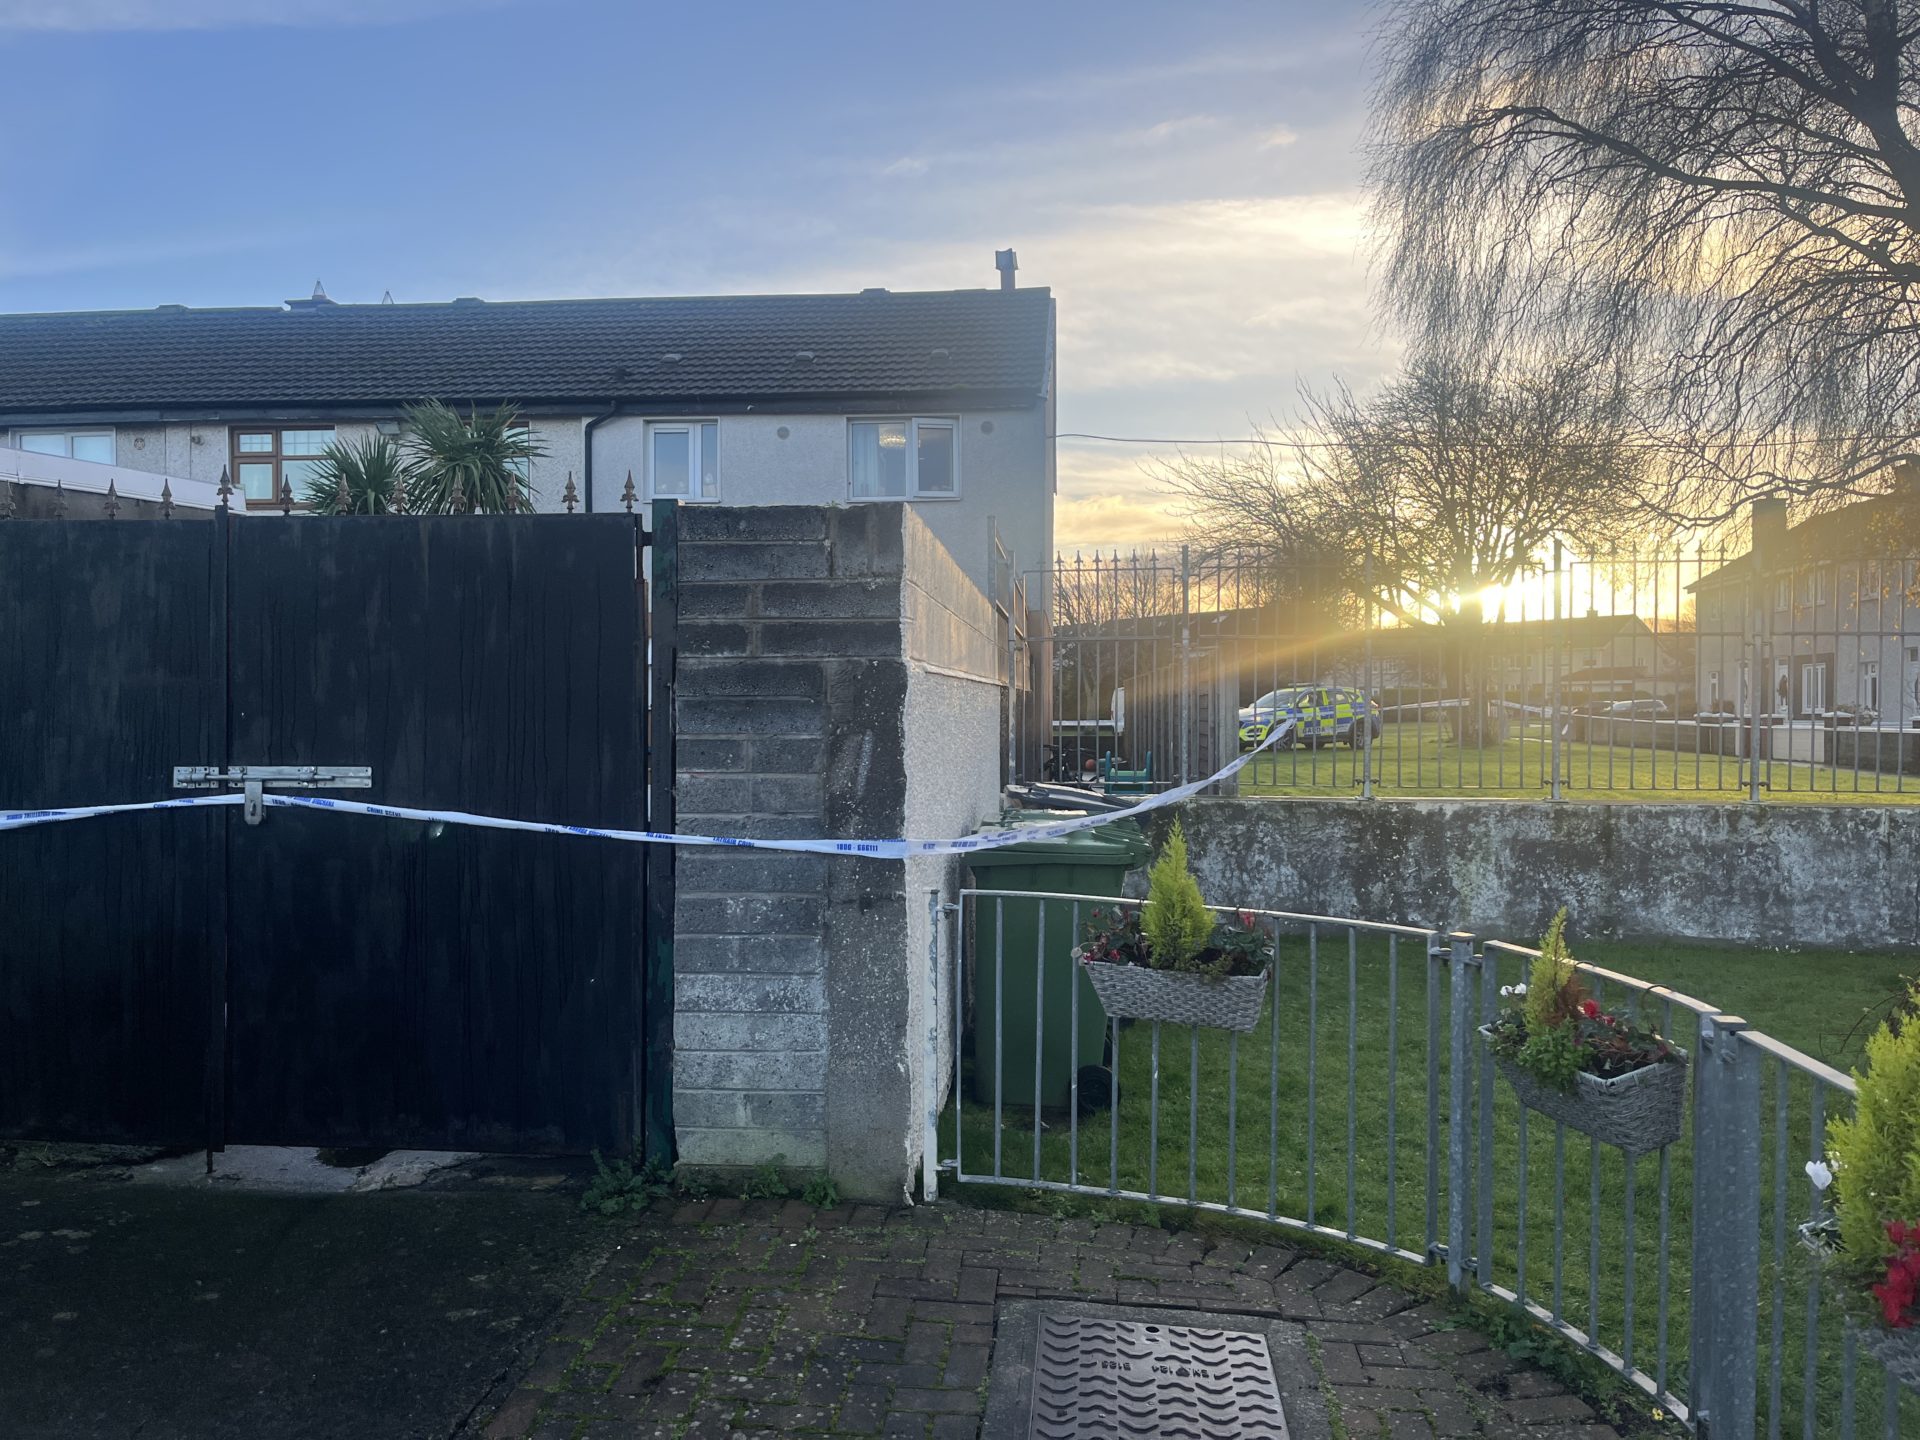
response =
{"points": [[1006, 470]]}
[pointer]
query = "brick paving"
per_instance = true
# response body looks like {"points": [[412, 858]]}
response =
{"points": [[729, 1317]]}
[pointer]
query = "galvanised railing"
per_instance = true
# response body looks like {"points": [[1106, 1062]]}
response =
{"points": [[1364, 1108]]}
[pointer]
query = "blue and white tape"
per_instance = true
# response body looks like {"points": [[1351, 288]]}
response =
{"points": [[864, 849]]}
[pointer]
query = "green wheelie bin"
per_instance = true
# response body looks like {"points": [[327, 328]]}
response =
{"points": [[1008, 945]]}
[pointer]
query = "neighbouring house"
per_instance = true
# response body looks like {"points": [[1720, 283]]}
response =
{"points": [[939, 400], [1828, 611]]}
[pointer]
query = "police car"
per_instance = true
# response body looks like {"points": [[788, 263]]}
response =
{"points": [[1310, 715]]}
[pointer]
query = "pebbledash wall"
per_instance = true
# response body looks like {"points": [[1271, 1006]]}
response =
{"points": [[838, 676], [1773, 876]]}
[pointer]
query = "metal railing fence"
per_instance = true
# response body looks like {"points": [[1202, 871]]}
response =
{"points": [[1364, 1108], [1697, 673]]}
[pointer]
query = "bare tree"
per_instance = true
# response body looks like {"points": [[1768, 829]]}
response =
{"points": [[1723, 194], [1449, 481]]}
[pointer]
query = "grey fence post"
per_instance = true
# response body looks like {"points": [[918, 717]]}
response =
{"points": [[1463, 1003], [1726, 1242]]}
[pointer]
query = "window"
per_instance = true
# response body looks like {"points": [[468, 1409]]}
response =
{"points": [[1713, 689], [1813, 689], [904, 459], [522, 467], [683, 460], [94, 445], [1781, 594], [1870, 685], [266, 457]]}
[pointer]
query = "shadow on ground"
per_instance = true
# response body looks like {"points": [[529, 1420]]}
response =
{"points": [[130, 1309]]}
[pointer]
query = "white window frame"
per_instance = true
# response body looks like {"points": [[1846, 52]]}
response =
{"points": [[1870, 685], [1813, 688], [69, 436], [950, 423], [695, 470]]}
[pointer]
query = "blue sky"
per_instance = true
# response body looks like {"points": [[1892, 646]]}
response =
{"points": [[1184, 176]]}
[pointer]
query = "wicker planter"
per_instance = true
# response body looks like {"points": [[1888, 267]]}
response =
{"points": [[1898, 1351], [1221, 1002], [1639, 1111]]}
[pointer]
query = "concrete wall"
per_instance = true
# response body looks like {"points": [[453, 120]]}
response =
{"points": [[801, 991], [1768, 875]]}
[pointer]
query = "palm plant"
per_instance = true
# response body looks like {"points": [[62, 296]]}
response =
{"points": [[471, 462], [354, 479]]}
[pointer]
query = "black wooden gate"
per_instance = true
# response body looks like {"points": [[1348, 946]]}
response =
{"points": [[325, 979]]}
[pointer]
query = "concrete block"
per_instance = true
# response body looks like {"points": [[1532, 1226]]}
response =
{"points": [[880, 639], [702, 677], [864, 599], [708, 1109], [751, 994], [696, 752], [786, 757], [788, 795], [714, 637], [867, 541], [748, 915], [763, 1034], [750, 955], [778, 523], [745, 561], [755, 872], [724, 602], [788, 1111], [742, 1149], [728, 715], [800, 1070]]}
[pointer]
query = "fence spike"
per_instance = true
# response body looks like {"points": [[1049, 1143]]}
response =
{"points": [[6, 499], [627, 496], [569, 496], [166, 499], [457, 496], [112, 507], [59, 500], [397, 501], [226, 488], [286, 496], [342, 496]]}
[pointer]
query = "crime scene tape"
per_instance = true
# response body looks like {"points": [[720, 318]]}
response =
{"points": [[864, 849]]}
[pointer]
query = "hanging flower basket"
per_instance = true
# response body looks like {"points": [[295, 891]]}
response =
{"points": [[1137, 992], [1643, 1110], [1898, 1351]]}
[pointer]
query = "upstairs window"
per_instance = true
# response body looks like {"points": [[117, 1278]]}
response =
{"points": [[94, 445], [904, 459], [265, 457], [683, 460]]}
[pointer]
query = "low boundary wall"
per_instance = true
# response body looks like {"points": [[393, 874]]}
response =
{"points": [[1768, 875]]}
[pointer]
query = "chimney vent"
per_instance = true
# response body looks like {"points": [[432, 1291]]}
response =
{"points": [[1006, 263], [1769, 530]]}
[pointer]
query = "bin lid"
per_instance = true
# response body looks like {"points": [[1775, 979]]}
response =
{"points": [[1118, 842]]}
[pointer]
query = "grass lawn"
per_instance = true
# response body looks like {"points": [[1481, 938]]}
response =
{"points": [[1327, 1122], [1416, 760]]}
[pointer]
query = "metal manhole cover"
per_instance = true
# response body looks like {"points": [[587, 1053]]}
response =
{"points": [[1094, 1379]]}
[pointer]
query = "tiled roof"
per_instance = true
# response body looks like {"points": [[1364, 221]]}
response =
{"points": [[949, 342]]}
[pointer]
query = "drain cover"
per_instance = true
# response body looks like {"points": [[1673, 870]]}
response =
{"points": [[1094, 1379]]}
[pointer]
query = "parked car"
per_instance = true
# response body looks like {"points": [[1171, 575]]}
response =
{"points": [[1310, 716]]}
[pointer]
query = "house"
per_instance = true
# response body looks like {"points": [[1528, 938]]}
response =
{"points": [[1827, 606], [941, 400]]}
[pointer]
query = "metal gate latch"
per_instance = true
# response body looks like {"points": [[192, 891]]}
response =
{"points": [[253, 780]]}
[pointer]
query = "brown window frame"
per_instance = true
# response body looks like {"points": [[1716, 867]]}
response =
{"points": [[236, 457]]}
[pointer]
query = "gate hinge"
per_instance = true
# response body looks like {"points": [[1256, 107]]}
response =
{"points": [[253, 780]]}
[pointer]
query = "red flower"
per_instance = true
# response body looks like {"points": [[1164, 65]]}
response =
{"points": [[1898, 1292], [1590, 1009]]}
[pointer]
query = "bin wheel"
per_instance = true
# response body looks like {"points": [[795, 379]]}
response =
{"points": [[1096, 1090]]}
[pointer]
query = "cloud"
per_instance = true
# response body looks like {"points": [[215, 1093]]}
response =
{"points": [[1279, 137], [1168, 129], [50, 16], [907, 167]]}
